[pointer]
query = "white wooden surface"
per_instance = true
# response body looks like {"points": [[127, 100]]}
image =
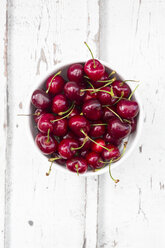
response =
{"points": [[66, 211]]}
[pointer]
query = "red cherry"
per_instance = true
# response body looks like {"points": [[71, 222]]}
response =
{"points": [[113, 154], [121, 88], [98, 130], [37, 114], [94, 71], [60, 127], [59, 104], [97, 84], [69, 135], [118, 129], [87, 144], [46, 144], [110, 139], [78, 165], [55, 84], [93, 160], [60, 161], [133, 124], [78, 123], [72, 92], [92, 110], [83, 153], [90, 95], [40, 99], [75, 73], [96, 147], [106, 98], [44, 124], [75, 111], [65, 148], [127, 109], [107, 113]]}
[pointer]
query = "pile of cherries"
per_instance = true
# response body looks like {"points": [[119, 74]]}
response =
{"points": [[82, 121]]}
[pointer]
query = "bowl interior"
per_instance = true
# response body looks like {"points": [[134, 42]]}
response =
{"points": [[33, 130]]}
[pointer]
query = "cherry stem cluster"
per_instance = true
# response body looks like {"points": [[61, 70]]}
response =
{"points": [[64, 116]]}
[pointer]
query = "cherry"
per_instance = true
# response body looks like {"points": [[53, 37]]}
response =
{"points": [[60, 127], [75, 73], [96, 148], [69, 135], [127, 109], [77, 164], [98, 84], [74, 112], [37, 114], [44, 124], [72, 91], [107, 113], [55, 84], [46, 143], [85, 142], [93, 160], [40, 99], [118, 129], [83, 153], [59, 104], [57, 159], [113, 154], [93, 68], [133, 124], [96, 129], [106, 98], [92, 110], [65, 148], [78, 123], [121, 88], [110, 139], [90, 95]]}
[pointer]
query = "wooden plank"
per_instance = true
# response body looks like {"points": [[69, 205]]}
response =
{"points": [[3, 114], [133, 40], [45, 212]]}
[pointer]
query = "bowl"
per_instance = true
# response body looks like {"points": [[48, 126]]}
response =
{"points": [[31, 131]]}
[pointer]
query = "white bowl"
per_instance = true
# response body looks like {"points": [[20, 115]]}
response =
{"points": [[133, 138]]}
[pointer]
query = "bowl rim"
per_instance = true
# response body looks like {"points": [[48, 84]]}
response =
{"points": [[41, 78]]}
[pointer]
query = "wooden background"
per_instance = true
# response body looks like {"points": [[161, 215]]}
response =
{"points": [[64, 211]]}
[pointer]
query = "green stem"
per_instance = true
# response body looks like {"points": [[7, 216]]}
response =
{"points": [[91, 54], [53, 159], [136, 81], [121, 97], [113, 112], [63, 116], [112, 73], [58, 73], [115, 180], [48, 138], [78, 148], [63, 113], [105, 91], [50, 168], [129, 98], [106, 81], [90, 84], [99, 124], [76, 166]]}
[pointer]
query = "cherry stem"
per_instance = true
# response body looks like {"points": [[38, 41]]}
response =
{"points": [[76, 166], [112, 73], [105, 91], [63, 113], [115, 180], [99, 124], [109, 82], [90, 84], [36, 114], [77, 148], [58, 73], [63, 116], [136, 81], [121, 97], [53, 159], [91, 54], [95, 141], [113, 112], [106, 81], [50, 168], [129, 98], [48, 139]]}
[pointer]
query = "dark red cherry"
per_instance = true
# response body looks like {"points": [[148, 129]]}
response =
{"points": [[78, 122], [110, 139], [59, 104], [98, 130], [113, 154], [46, 144], [44, 124], [69, 135], [133, 124], [94, 71], [97, 84], [60, 161], [127, 109], [106, 98], [55, 85], [75, 111], [78, 165], [75, 73], [65, 148], [40, 99], [90, 95], [107, 113], [83, 153], [92, 110], [37, 114], [93, 160], [72, 92], [96, 147], [118, 129], [121, 88], [60, 127], [87, 145]]}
